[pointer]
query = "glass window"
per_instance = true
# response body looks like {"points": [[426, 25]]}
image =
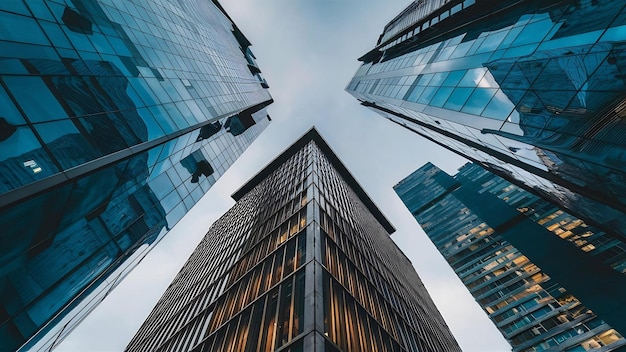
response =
{"points": [[461, 50], [454, 78], [458, 98], [8, 113], [163, 119], [512, 33], [472, 77], [21, 29], [39, 9], [68, 146], [154, 129], [21, 153], [456, 9], [56, 35], [491, 42], [176, 214], [428, 93], [438, 78], [533, 32], [35, 98], [499, 108], [478, 100], [467, 3], [80, 41], [441, 96]]}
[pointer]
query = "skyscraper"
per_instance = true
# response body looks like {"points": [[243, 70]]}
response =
{"points": [[532, 90], [547, 280], [116, 117], [302, 262]]}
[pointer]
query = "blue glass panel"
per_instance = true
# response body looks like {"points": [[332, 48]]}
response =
{"points": [[472, 77], [441, 96], [478, 100], [39, 10], [425, 79], [579, 39], [186, 113], [22, 160], [21, 51], [454, 78], [176, 214], [428, 93], [461, 50], [56, 35], [21, 29], [163, 119], [154, 129], [491, 42], [520, 50], [35, 98], [101, 44], [173, 174], [170, 201], [614, 34], [438, 78], [8, 112], [67, 145], [80, 41], [534, 32], [176, 116], [415, 93], [14, 6], [458, 98], [161, 185], [188, 202], [510, 37], [499, 108]]}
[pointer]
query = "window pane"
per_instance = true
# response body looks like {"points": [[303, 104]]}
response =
{"points": [[67, 145], [22, 160], [35, 98]]}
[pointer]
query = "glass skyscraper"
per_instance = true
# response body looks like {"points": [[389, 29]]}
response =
{"points": [[533, 90], [547, 280], [302, 262], [115, 118]]}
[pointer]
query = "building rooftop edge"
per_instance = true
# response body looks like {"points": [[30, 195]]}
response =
{"points": [[313, 135]]}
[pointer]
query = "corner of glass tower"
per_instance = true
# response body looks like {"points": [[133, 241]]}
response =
{"points": [[547, 280], [117, 117], [302, 262], [534, 91]]}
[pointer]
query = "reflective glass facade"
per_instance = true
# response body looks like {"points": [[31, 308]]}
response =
{"points": [[533, 90], [547, 280], [116, 117], [302, 262]]}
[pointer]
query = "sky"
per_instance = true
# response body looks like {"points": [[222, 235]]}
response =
{"points": [[307, 50]]}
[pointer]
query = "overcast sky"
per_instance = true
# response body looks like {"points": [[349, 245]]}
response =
{"points": [[307, 50]]}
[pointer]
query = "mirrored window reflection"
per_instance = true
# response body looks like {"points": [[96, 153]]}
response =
{"points": [[9, 114], [35, 98], [22, 159], [65, 142]]}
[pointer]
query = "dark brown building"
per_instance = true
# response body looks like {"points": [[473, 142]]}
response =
{"points": [[302, 262]]}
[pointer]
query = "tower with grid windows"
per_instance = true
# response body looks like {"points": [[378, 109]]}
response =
{"points": [[115, 119], [302, 262], [547, 280]]}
